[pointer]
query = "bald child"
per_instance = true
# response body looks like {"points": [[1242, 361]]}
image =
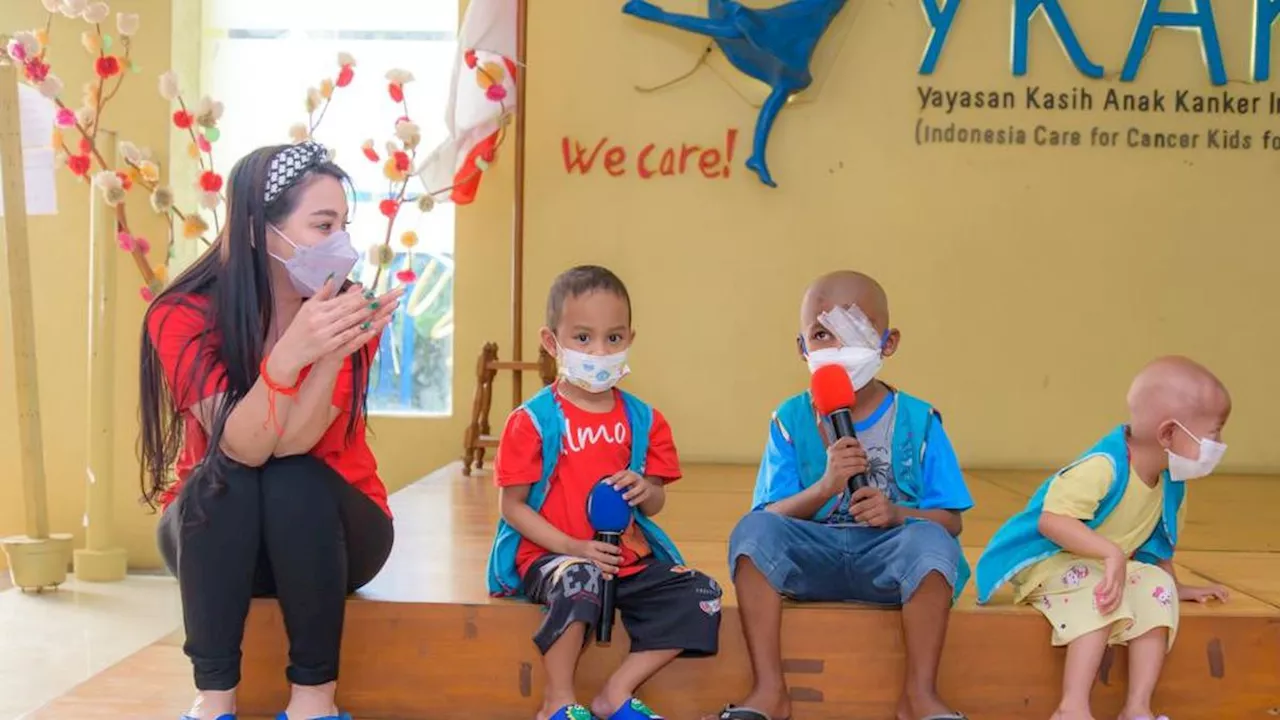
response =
{"points": [[1093, 550], [892, 543]]}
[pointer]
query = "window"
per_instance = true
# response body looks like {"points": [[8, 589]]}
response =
{"points": [[259, 57]]}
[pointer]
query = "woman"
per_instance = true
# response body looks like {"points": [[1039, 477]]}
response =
{"points": [[254, 372]]}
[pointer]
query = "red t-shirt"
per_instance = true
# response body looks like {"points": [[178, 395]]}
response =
{"points": [[179, 330], [593, 446]]}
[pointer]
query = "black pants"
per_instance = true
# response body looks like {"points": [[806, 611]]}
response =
{"points": [[293, 529]]}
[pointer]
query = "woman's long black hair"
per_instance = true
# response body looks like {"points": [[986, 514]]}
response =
{"points": [[232, 283]]}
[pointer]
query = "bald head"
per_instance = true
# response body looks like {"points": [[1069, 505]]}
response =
{"points": [[842, 289], [1177, 388]]}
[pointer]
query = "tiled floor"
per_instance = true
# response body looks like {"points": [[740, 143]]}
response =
{"points": [[53, 641]]}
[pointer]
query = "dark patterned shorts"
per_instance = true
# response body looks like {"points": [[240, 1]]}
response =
{"points": [[663, 607]]}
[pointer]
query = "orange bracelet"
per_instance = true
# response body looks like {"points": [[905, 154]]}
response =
{"points": [[274, 388]]}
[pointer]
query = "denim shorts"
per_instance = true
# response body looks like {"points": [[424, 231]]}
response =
{"points": [[806, 560]]}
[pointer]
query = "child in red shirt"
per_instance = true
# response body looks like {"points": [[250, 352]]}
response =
{"points": [[668, 610]]}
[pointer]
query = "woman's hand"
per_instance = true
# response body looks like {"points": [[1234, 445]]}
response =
{"points": [[326, 323], [377, 316]]}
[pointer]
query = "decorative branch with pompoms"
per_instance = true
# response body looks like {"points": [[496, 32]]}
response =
{"points": [[75, 135], [403, 165]]}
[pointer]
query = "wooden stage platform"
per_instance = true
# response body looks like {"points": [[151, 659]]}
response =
{"points": [[424, 641]]}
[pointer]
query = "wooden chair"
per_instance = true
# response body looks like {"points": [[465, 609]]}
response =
{"points": [[478, 434]]}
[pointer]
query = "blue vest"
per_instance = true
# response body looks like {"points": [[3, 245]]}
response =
{"points": [[1018, 543], [547, 416], [912, 421]]}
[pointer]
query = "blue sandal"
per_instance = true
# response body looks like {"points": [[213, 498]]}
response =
{"points": [[633, 709], [572, 712]]}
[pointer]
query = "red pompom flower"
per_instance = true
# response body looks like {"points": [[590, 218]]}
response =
{"points": [[86, 147], [36, 70], [182, 120], [210, 181], [78, 164], [470, 57], [126, 182], [406, 276], [396, 90], [345, 76], [402, 161], [496, 93], [142, 244], [389, 207], [146, 294], [107, 66]]}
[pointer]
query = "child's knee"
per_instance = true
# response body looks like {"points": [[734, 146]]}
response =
{"points": [[573, 596], [926, 539], [758, 528], [762, 538]]}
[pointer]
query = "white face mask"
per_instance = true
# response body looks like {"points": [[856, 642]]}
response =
{"points": [[311, 266], [862, 364], [1182, 469], [861, 349], [593, 373]]}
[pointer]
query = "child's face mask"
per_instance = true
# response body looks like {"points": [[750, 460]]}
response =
{"points": [[861, 351], [593, 373], [1182, 469]]}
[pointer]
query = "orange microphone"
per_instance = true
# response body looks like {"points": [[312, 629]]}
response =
{"points": [[834, 396]]}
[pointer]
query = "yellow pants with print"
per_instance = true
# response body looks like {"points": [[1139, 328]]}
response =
{"points": [[1150, 601]]}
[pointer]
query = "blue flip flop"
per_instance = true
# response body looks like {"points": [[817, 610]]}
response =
{"points": [[633, 709], [572, 712]]}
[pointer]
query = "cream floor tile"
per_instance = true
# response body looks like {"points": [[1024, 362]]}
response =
{"points": [[53, 641]]}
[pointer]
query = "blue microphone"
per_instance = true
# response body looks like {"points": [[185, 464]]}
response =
{"points": [[610, 515]]}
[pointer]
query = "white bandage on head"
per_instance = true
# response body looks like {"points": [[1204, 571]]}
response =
{"points": [[851, 327]]}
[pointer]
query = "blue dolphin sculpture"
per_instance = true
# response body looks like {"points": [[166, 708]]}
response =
{"points": [[774, 46]]}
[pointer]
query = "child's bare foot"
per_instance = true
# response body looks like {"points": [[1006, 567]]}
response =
{"points": [[607, 702], [927, 705], [1139, 714], [1072, 714]]}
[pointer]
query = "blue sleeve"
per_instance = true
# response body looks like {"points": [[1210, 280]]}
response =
{"points": [[944, 487], [779, 476]]}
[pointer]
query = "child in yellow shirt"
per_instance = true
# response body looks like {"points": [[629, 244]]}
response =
{"points": [[1093, 550]]}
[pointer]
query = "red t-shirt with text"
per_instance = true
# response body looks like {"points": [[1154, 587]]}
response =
{"points": [[188, 352], [593, 446]]}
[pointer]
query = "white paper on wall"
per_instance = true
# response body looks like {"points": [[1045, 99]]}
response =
{"points": [[38, 159]]}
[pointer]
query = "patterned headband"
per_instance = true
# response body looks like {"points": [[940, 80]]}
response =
{"points": [[290, 164]]}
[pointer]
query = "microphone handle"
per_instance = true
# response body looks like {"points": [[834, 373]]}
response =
{"points": [[842, 423], [608, 597]]}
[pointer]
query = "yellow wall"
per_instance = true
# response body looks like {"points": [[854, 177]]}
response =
{"points": [[1029, 283]]}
